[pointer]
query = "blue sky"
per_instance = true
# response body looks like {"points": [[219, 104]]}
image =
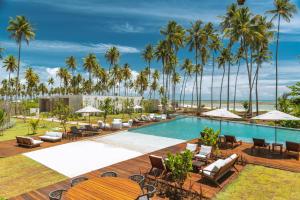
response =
{"points": [[75, 27]]}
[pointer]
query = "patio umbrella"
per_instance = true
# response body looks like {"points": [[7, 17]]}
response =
{"points": [[222, 113], [88, 110], [275, 116], [136, 107]]}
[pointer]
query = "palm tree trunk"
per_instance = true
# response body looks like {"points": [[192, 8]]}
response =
{"points": [[193, 93], [228, 84], [184, 92], [197, 95], [276, 62], [212, 82], [200, 92], [18, 70], [184, 77], [235, 85], [221, 89]]}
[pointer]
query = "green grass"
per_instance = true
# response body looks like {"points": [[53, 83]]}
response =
{"points": [[20, 174], [23, 128], [258, 182]]}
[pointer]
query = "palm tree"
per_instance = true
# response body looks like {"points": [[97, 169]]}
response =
{"points": [[10, 65], [238, 58], [187, 65], [222, 59], [193, 40], [214, 46], [71, 64], [112, 56], [115, 77], [50, 83], [1, 51], [161, 53], [283, 9], [154, 86], [148, 56], [141, 83], [32, 80], [127, 74], [20, 29], [89, 64]]}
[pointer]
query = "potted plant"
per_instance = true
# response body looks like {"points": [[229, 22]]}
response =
{"points": [[210, 137], [179, 165]]}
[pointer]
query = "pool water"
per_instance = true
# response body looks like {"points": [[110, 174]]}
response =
{"points": [[187, 128]]}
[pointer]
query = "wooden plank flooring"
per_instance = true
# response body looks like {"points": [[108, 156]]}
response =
{"points": [[141, 164]]}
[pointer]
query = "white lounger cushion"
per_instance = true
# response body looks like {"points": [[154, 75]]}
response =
{"points": [[35, 142], [128, 124], [52, 136], [163, 117], [191, 147], [204, 151], [213, 167]]}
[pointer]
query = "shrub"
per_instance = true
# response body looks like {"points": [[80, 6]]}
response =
{"points": [[180, 165], [210, 137], [34, 125]]}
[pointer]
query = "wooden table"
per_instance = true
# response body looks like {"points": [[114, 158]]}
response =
{"points": [[105, 188]]}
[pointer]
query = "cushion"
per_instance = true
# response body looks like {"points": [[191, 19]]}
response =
{"points": [[191, 147], [35, 142], [53, 134], [205, 149], [200, 156], [213, 167], [233, 156]]}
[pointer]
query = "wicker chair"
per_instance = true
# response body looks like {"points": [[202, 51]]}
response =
{"points": [[56, 195], [109, 174], [140, 179], [77, 180]]}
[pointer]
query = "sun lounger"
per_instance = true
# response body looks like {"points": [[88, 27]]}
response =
{"points": [[292, 147], [216, 170], [128, 124], [158, 168], [163, 116], [232, 140], [116, 124], [192, 147], [137, 122], [205, 153], [52, 136], [260, 143], [28, 142], [103, 126]]}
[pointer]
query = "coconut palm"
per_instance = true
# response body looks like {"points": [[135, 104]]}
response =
{"points": [[50, 84], [222, 59], [112, 56], [127, 74], [20, 29], [71, 64], [141, 83], [161, 53], [10, 65], [186, 67], [89, 64], [193, 40], [214, 46], [1, 51], [283, 9], [148, 56], [32, 80], [237, 58]]}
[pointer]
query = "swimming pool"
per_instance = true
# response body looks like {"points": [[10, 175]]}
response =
{"points": [[187, 128]]}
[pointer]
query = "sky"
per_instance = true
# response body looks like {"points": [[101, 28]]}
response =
{"points": [[75, 27]]}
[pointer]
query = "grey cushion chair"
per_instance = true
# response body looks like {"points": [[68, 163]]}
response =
{"points": [[140, 179], [150, 190], [77, 180], [56, 195], [109, 174]]}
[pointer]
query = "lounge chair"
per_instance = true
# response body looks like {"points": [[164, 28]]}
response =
{"points": [[28, 142], [116, 124], [163, 117], [128, 124], [192, 147], [292, 147], [92, 130], [52, 136], [260, 143], [145, 118], [152, 116], [232, 140], [102, 125], [137, 122], [219, 168], [205, 153], [158, 167]]}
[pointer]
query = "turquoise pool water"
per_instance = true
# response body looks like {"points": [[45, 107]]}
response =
{"points": [[187, 128]]}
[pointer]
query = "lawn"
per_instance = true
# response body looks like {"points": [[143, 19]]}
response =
{"points": [[23, 128], [258, 182], [20, 174]]}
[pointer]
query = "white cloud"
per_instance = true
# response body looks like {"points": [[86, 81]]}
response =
{"points": [[127, 28], [62, 46]]}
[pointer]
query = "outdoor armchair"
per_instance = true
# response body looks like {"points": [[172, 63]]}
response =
{"points": [[205, 153]]}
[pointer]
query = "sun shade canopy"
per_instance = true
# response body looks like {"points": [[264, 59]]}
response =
{"points": [[275, 115], [223, 113], [89, 109]]}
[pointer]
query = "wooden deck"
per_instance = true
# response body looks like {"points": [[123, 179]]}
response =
{"points": [[141, 164]]}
